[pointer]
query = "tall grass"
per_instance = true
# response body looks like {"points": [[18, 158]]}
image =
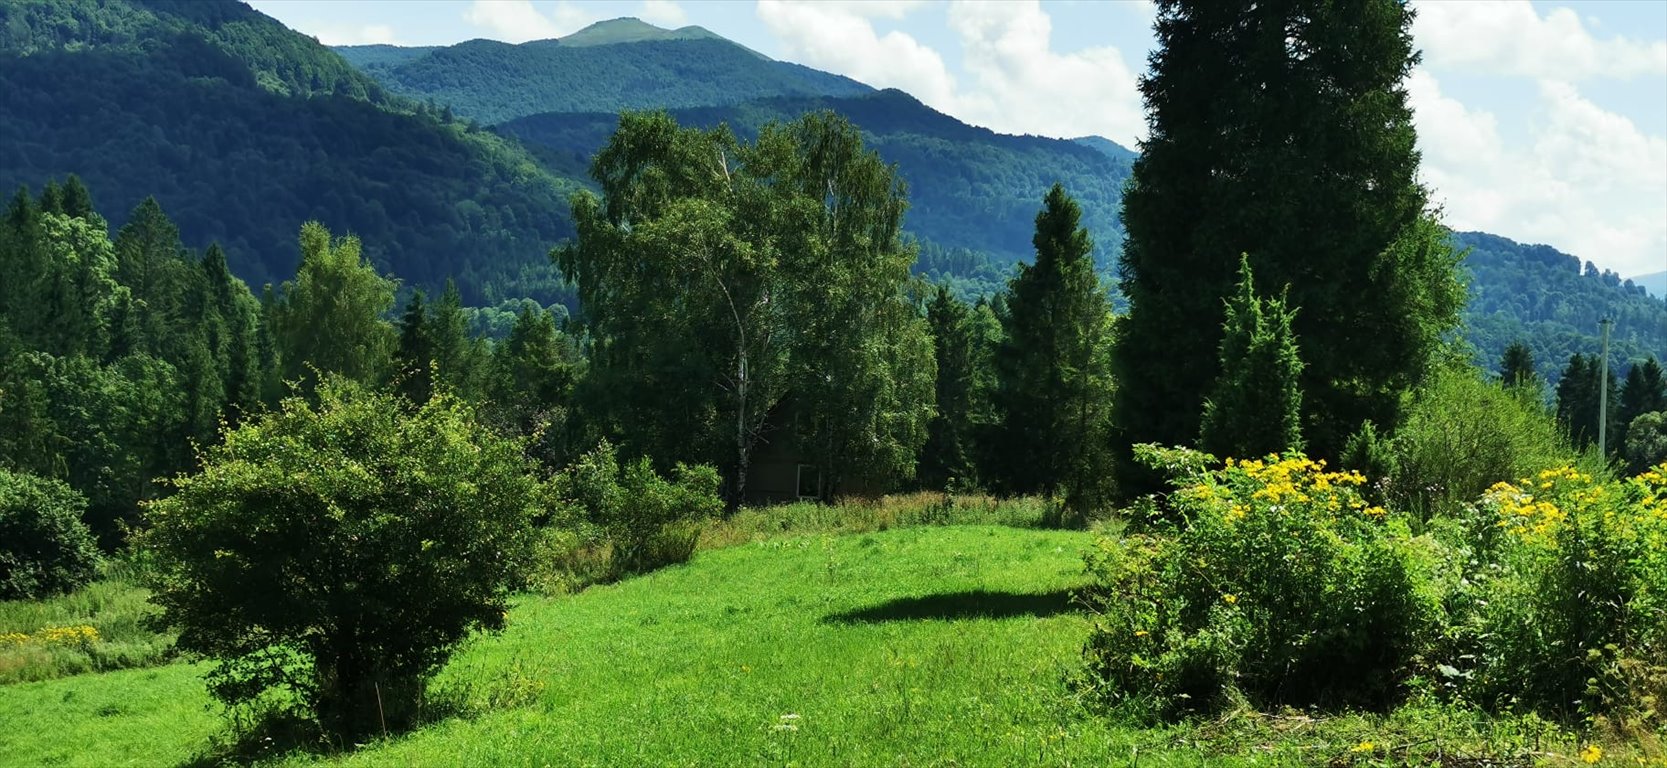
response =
{"points": [[99, 627], [869, 515]]}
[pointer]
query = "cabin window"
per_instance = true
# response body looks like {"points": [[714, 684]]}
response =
{"points": [[810, 482]]}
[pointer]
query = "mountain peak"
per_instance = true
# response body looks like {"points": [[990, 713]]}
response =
{"points": [[629, 29]]}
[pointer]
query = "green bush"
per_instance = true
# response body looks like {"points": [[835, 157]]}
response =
{"points": [[1646, 441], [334, 555], [1569, 611], [1460, 435], [645, 519], [1280, 584], [45, 548]]}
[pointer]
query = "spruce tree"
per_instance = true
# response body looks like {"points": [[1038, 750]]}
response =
{"points": [[1579, 400], [1516, 367], [1256, 408], [1052, 380], [414, 354], [1281, 130], [456, 354], [1644, 391], [950, 455], [77, 201]]}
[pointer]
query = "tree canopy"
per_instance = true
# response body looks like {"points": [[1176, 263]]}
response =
{"points": [[1281, 130]]}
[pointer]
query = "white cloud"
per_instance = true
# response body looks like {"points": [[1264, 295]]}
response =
{"points": [[352, 34], [517, 21], [1017, 82], [665, 13], [838, 37], [1023, 86], [1509, 37], [1588, 181]]}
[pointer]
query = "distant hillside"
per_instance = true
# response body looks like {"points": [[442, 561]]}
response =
{"points": [[281, 60], [1548, 300], [1655, 283], [243, 129], [969, 188], [608, 67], [1108, 147]]}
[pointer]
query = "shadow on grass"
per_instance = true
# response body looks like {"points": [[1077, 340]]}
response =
{"points": [[973, 604]]}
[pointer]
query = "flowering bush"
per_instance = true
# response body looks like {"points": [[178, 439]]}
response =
{"points": [[1280, 583], [1571, 594]]}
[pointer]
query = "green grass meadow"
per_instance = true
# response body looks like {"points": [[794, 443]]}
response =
{"points": [[917, 646]]}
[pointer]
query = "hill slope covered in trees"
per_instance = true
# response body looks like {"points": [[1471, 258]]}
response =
{"points": [[243, 129], [606, 67], [1546, 299]]}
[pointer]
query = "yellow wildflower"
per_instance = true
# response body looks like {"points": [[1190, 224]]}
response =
{"points": [[1230, 599], [1364, 746], [1591, 754]]}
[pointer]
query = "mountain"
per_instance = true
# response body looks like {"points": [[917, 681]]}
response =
{"points": [[632, 30], [1655, 283], [969, 188], [243, 129], [606, 67], [1549, 301]]}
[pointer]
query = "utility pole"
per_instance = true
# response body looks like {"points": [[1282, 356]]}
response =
{"points": [[1603, 393]]}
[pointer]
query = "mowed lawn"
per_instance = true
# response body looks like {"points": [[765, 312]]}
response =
{"points": [[929, 646]]}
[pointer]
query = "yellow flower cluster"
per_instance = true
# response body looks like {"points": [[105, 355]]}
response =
{"points": [[1652, 491], [1529, 518], [80, 634], [76, 635], [1275, 484], [1535, 508]]}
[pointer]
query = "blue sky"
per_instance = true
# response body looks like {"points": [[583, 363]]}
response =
{"points": [[1544, 121]]}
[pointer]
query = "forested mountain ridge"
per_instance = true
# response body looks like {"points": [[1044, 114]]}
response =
{"points": [[242, 129], [607, 67], [1549, 301], [281, 60]]}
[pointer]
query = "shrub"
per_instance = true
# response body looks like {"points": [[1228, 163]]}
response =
{"points": [[1460, 435], [1570, 602], [1646, 441], [338, 553], [1280, 584], [45, 548], [647, 521]]}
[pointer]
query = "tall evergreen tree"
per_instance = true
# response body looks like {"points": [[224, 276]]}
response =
{"points": [[1256, 408], [77, 201], [152, 263], [414, 354], [531, 382], [230, 300], [950, 456], [1644, 391], [1053, 386], [1281, 130], [1579, 400], [1516, 367], [456, 354]]}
